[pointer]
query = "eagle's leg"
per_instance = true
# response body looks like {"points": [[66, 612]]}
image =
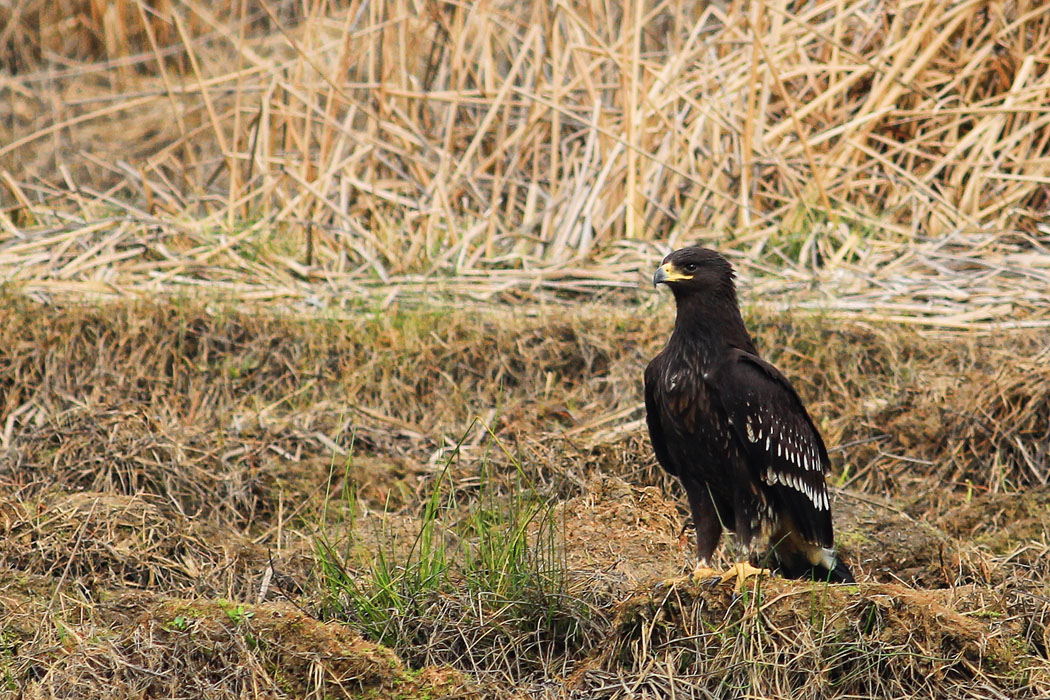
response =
{"points": [[708, 527], [708, 532]]}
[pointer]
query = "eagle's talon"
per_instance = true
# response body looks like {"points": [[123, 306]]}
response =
{"points": [[741, 571], [705, 575]]}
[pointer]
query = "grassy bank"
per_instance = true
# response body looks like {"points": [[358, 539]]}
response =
{"points": [[256, 501]]}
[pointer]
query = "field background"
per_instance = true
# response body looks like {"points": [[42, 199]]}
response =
{"points": [[323, 325]]}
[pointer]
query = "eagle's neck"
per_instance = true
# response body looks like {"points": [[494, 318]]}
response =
{"points": [[705, 326]]}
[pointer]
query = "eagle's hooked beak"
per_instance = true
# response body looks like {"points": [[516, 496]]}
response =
{"points": [[668, 273], [659, 276]]}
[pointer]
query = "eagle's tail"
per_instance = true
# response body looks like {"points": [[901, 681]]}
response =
{"points": [[840, 573], [829, 567]]}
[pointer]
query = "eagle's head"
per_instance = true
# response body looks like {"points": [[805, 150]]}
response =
{"points": [[695, 270]]}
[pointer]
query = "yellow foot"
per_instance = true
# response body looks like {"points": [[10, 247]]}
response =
{"points": [[703, 572], [742, 571]]}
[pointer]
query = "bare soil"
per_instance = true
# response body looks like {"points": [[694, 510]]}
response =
{"points": [[168, 471]]}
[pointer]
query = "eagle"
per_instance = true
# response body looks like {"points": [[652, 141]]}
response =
{"points": [[736, 434]]}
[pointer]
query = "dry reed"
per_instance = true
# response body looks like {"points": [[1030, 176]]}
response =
{"points": [[885, 151]]}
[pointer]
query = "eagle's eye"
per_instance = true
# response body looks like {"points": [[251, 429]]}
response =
{"points": [[690, 267]]}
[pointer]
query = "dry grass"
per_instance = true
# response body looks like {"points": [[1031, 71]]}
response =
{"points": [[174, 648], [107, 539], [815, 642], [895, 153], [126, 537], [219, 497]]}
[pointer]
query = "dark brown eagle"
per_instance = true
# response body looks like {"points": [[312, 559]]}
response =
{"points": [[731, 427]]}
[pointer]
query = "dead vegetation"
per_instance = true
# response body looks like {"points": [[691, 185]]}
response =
{"points": [[283, 460], [894, 153], [817, 643], [107, 539], [256, 459], [158, 647]]}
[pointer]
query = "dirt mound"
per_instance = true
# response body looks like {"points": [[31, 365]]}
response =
{"points": [[789, 639], [647, 546], [162, 648], [884, 543]]}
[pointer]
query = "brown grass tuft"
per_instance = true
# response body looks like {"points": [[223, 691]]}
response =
{"points": [[105, 539], [177, 648], [782, 639]]}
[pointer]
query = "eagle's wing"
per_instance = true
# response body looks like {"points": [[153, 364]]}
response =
{"points": [[652, 418], [784, 450]]}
